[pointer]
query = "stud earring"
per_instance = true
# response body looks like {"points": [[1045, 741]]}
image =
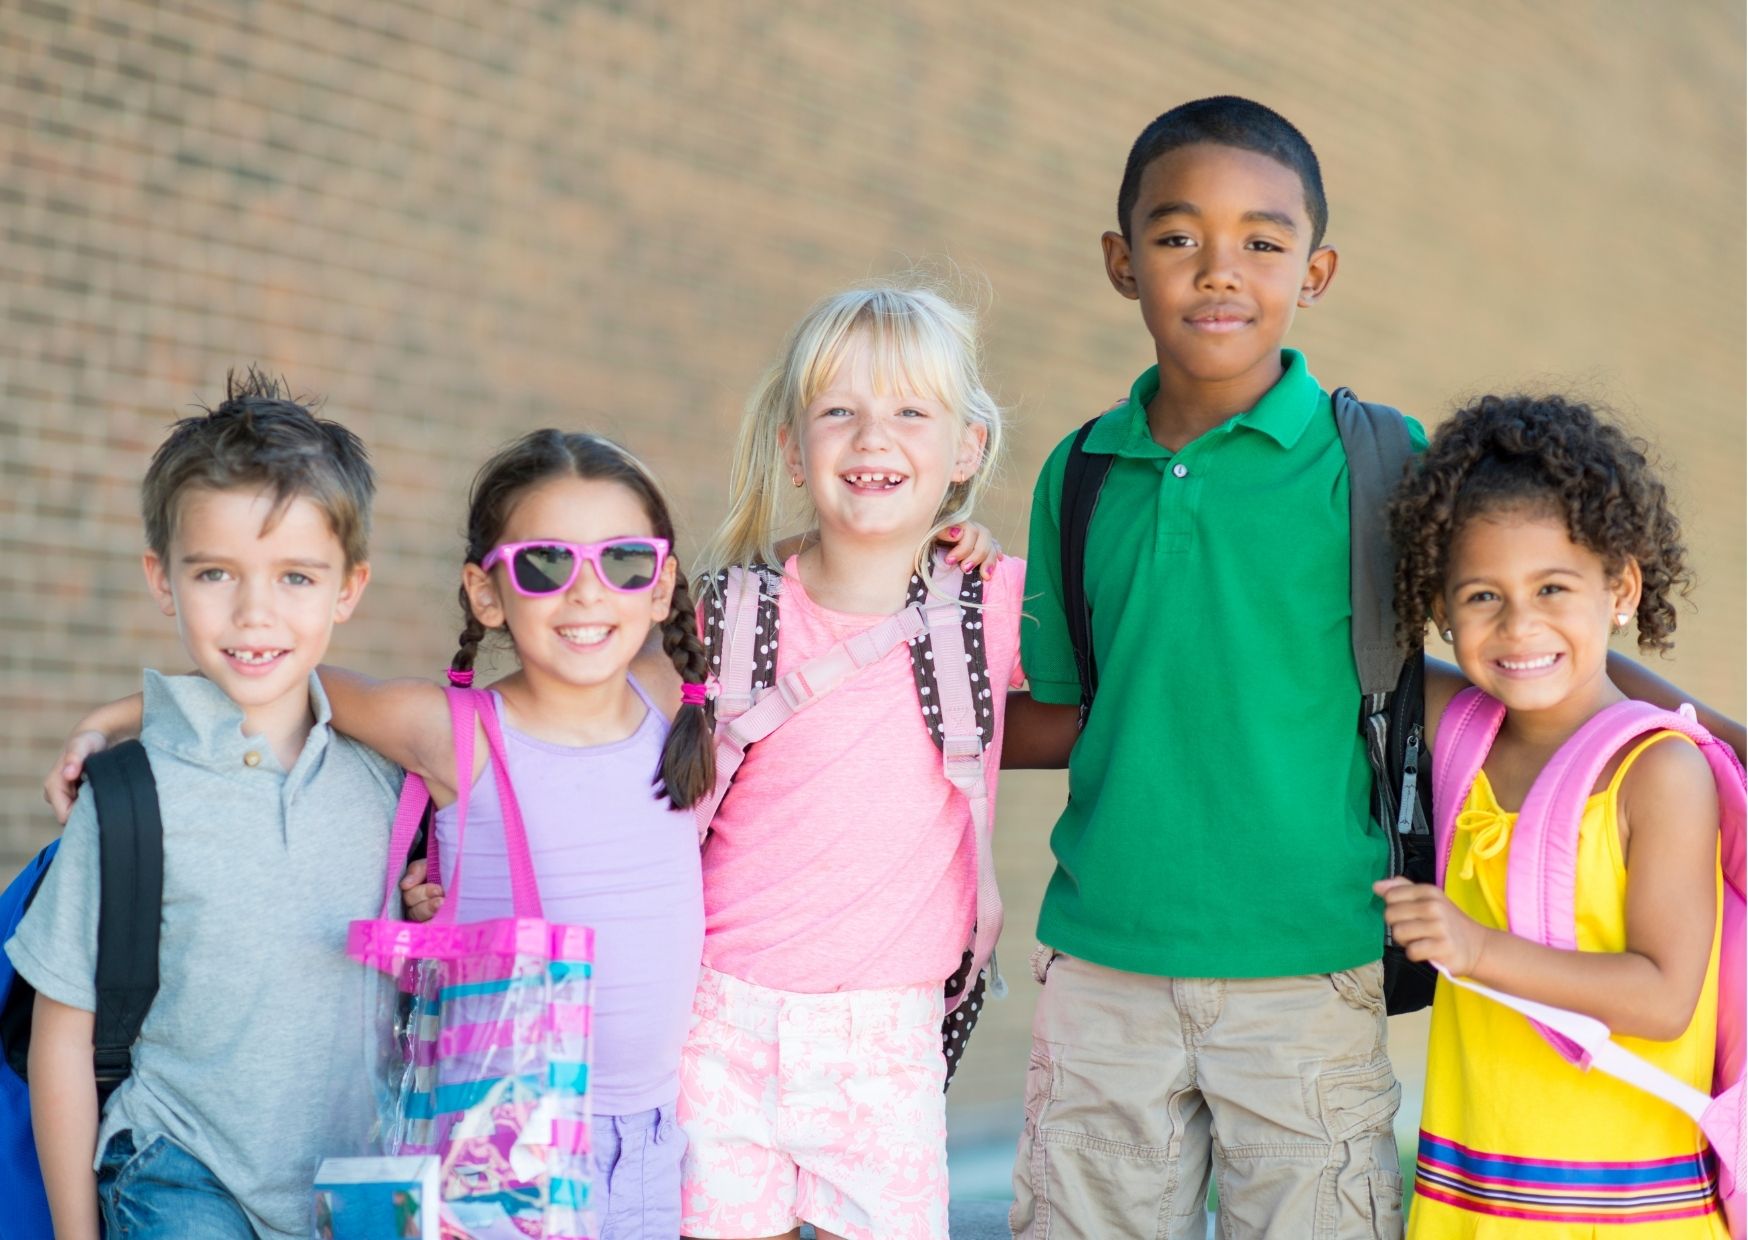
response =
{"points": [[1620, 621], [1449, 638], [796, 479]]}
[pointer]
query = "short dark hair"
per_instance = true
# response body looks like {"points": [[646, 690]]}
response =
{"points": [[259, 436], [1226, 120]]}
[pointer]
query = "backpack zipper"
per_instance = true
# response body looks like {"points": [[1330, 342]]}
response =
{"points": [[1410, 783]]}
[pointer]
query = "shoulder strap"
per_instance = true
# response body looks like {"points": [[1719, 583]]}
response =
{"points": [[797, 690], [524, 888], [410, 815], [745, 593], [965, 763], [1465, 734], [1541, 873], [130, 904], [467, 706], [1083, 478], [1375, 439]]}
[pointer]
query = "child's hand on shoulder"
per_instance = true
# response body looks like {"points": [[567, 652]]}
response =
{"points": [[61, 786], [1428, 926], [972, 547]]}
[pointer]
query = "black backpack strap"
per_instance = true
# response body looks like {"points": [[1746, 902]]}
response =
{"points": [[1392, 707], [131, 883], [1083, 477], [1375, 438]]}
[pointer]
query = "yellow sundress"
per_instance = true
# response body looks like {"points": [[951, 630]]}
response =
{"points": [[1515, 1141]]}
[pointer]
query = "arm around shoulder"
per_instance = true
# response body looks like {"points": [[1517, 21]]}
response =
{"points": [[404, 720], [1638, 681]]}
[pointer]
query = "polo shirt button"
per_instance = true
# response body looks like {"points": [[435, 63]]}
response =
{"points": [[1180, 470], [252, 758]]}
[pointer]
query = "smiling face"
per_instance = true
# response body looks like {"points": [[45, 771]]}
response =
{"points": [[587, 634], [255, 606], [1219, 256], [1530, 611], [877, 460]]}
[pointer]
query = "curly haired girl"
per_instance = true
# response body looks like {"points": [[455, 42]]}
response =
{"points": [[1532, 532]]}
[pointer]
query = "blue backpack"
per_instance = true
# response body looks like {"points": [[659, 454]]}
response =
{"points": [[131, 879]]}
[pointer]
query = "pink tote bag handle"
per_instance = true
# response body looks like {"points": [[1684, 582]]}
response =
{"points": [[464, 706]]}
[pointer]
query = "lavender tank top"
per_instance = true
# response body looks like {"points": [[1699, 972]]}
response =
{"points": [[608, 853]]}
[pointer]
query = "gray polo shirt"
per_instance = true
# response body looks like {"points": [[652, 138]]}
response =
{"points": [[253, 1056]]}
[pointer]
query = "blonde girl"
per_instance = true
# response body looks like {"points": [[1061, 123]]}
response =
{"points": [[839, 874]]}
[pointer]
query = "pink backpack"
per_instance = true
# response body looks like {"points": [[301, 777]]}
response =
{"points": [[947, 653], [1539, 901]]}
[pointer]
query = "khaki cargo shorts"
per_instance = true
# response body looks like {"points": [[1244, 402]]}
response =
{"points": [[1140, 1088]]}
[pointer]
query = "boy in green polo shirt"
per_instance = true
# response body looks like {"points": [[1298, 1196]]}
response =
{"points": [[1213, 998]]}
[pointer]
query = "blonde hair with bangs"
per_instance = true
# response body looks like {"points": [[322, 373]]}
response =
{"points": [[920, 342]]}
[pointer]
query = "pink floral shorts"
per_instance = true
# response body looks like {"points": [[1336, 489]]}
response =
{"points": [[827, 1109]]}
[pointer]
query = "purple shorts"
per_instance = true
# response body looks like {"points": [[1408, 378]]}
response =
{"points": [[636, 1190]]}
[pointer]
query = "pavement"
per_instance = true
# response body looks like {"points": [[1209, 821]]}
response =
{"points": [[978, 1220]]}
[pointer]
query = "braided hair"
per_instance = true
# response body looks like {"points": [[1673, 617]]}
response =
{"points": [[688, 767], [1547, 454]]}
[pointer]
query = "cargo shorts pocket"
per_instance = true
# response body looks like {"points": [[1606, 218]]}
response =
{"points": [[1357, 1099], [1363, 1182]]}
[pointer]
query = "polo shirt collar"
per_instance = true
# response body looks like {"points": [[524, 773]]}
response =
{"points": [[1282, 414], [192, 718]]}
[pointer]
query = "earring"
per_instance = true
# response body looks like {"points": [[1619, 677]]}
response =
{"points": [[1620, 621], [796, 479], [1448, 636]]}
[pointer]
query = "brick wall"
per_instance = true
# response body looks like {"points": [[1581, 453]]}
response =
{"points": [[463, 220]]}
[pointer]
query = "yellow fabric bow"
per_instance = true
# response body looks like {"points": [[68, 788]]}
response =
{"points": [[1489, 833]]}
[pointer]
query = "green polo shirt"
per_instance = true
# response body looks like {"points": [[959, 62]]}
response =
{"points": [[1217, 823]]}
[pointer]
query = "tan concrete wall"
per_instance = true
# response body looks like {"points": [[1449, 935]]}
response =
{"points": [[462, 220]]}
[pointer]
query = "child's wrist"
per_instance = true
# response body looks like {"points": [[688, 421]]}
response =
{"points": [[1483, 937]]}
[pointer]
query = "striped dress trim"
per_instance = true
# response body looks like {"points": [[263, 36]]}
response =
{"points": [[1565, 1190]]}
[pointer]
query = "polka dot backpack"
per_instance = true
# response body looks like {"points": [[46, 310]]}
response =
{"points": [[953, 695]]}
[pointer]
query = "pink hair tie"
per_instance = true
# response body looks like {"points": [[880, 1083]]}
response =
{"points": [[694, 695], [461, 679]]}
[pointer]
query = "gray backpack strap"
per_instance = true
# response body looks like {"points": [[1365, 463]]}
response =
{"points": [[1375, 438]]}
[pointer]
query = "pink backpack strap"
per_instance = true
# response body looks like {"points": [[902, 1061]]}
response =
{"points": [[740, 622], [793, 692], [966, 768], [1540, 878], [1465, 735], [741, 590]]}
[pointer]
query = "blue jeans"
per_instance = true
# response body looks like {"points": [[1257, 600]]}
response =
{"points": [[164, 1193]]}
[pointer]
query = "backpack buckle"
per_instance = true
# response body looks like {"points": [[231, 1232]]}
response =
{"points": [[961, 746], [112, 1063], [795, 690]]}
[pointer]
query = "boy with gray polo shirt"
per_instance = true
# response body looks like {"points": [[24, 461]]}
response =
{"points": [[249, 1067]]}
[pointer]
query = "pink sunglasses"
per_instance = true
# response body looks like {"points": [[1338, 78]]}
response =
{"points": [[550, 566]]}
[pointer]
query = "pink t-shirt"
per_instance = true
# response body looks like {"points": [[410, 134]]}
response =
{"points": [[841, 858]]}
